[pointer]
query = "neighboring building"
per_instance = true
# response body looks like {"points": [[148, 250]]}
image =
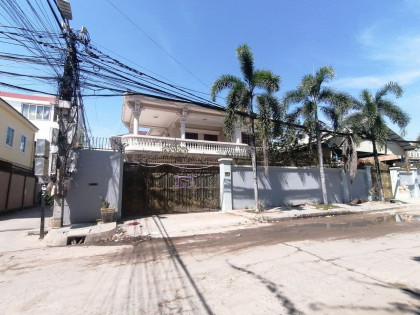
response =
{"points": [[17, 180], [394, 151], [175, 126], [414, 155], [40, 111]]}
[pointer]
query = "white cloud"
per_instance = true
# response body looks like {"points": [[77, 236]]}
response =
{"points": [[393, 51], [374, 82]]}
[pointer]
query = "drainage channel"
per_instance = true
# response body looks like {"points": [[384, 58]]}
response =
{"points": [[75, 240]]}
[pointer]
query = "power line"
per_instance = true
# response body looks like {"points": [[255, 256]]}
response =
{"points": [[157, 44]]}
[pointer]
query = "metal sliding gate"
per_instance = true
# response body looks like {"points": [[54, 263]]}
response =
{"points": [[156, 189]]}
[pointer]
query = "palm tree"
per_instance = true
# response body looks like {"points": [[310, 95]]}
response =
{"points": [[369, 120], [313, 98], [241, 97]]}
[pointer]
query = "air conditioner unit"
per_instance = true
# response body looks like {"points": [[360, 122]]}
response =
{"points": [[41, 167], [42, 148]]}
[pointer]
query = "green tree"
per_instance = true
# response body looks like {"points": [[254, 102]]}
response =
{"points": [[243, 97], [314, 99], [369, 120]]}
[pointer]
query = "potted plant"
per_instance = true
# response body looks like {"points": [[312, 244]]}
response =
{"points": [[107, 212]]}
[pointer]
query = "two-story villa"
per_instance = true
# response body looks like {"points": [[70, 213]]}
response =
{"points": [[172, 153]]}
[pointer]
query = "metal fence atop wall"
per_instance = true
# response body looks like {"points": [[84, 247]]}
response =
{"points": [[99, 143]]}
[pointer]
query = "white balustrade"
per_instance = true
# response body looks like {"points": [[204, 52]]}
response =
{"points": [[135, 143], [414, 154]]}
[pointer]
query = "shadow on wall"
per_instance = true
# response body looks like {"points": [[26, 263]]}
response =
{"points": [[284, 186], [99, 173]]}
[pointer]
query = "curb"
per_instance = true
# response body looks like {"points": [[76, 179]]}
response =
{"points": [[265, 219]]}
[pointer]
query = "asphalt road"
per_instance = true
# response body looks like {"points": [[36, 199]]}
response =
{"points": [[353, 264]]}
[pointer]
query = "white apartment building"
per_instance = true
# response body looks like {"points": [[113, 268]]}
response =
{"points": [[40, 111]]}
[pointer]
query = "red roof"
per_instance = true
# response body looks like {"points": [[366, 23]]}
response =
{"points": [[28, 97]]}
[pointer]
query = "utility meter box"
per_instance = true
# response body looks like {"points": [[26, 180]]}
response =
{"points": [[64, 104]]}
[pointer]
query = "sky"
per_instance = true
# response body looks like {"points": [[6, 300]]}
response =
{"points": [[192, 43]]}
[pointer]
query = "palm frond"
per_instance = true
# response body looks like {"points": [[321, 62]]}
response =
{"points": [[223, 82], [366, 96], [229, 121], [390, 87], [238, 96], [334, 115], [265, 79], [309, 109], [394, 113], [307, 85], [294, 97], [246, 62], [324, 74]]}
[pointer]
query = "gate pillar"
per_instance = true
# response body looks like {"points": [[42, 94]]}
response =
{"points": [[226, 200]]}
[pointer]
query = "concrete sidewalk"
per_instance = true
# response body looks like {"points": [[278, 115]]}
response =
{"points": [[189, 224], [311, 210]]}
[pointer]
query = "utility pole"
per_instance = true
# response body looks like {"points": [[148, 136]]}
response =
{"points": [[67, 108]]}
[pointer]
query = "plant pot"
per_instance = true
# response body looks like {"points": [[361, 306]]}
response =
{"points": [[107, 214]]}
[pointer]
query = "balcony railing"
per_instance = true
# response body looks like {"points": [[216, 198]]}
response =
{"points": [[134, 143], [414, 155]]}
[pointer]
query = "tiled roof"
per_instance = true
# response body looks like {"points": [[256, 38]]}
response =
{"points": [[28, 97]]}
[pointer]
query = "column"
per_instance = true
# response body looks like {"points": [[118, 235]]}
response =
{"points": [[182, 119], [238, 133], [226, 198], [136, 115]]}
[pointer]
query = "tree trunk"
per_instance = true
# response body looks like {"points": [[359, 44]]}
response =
{"points": [[378, 171], [254, 165], [265, 154], [321, 165]]}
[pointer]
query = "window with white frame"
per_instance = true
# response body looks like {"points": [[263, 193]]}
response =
{"points": [[22, 143], [10, 133], [36, 112]]}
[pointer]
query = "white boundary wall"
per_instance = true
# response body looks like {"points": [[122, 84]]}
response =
{"points": [[405, 184], [288, 186]]}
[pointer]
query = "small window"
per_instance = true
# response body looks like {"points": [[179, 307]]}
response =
{"points": [[9, 136], [22, 143], [210, 137], [191, 135]]}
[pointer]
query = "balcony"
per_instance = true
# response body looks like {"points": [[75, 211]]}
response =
{"points": [[413, 155], [136, 144]]}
